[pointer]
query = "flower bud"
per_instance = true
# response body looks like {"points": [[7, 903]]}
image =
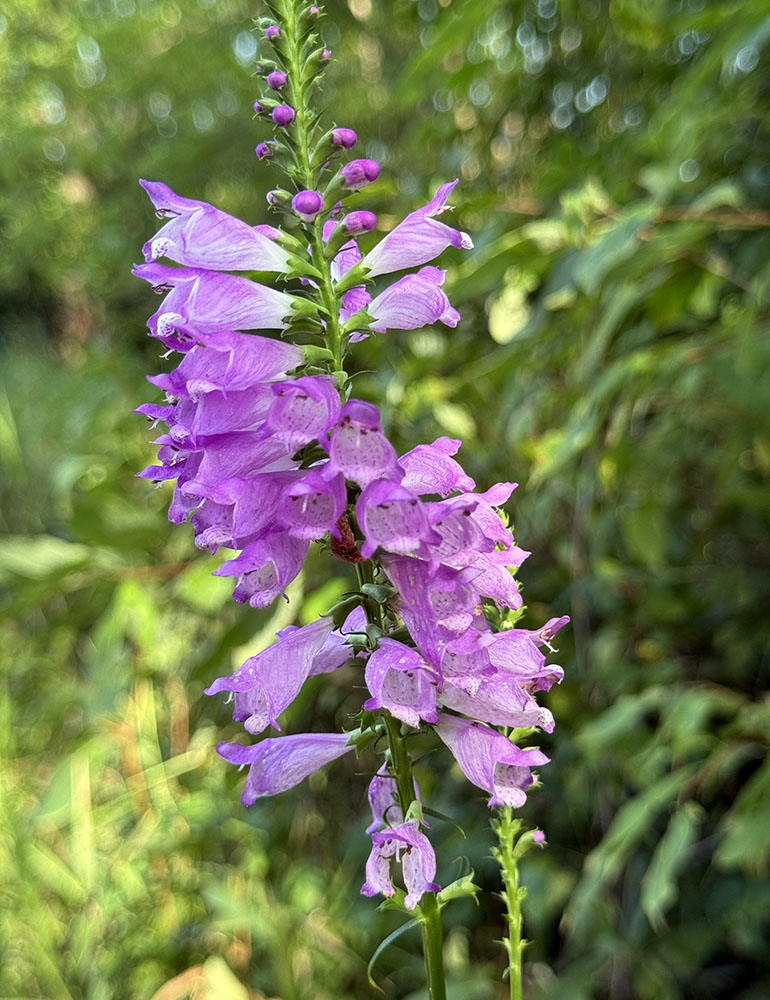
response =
{"points": [[326, 54], [314, 11], [307, 205], [279, 198], [272, 31], [359, 222], [258, 109], [283, 114], [358, 173], [263, 151], [276, 79], [344, 137]]}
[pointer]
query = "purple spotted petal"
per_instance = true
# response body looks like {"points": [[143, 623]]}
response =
{"points": [[358, 447], [269, 682], [265, 568], [314, 504], [303, 410], [413, 301], [429, 468], [418, 239], [401, 681], [279, 764], [393, 518], [490, 760], [418, 863], [199, 235]]}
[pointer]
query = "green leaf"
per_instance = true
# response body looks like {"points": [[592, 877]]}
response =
{"points": [[384, 945], [659, 883]]}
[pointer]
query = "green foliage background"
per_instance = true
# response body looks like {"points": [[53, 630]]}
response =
{"points": [[613, 358]]}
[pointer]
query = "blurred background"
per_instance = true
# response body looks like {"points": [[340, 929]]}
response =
{"points": [[613, 359]]}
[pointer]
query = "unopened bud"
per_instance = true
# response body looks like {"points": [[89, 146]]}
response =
{"points": [[276, 79], [358, 173], [283, 114], [345, 137], [326, 54], [272, 31], [279, 198], [359, 222], [263, 151], [307, 205]]}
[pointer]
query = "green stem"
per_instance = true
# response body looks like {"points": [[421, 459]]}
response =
{"points": [[507, 829], [301, 128], [401, 765]]}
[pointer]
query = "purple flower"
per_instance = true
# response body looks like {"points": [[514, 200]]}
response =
{"points": [[344, 137], [326, 54], [303, 410], [307, 205], [358, 448], [472, 687], [353, 301], [265, 568], [258, 109], [283, 114], [418, 239], [203, 302], [356, 223], [272, 31], [401, 681], [314, 505], [229, 361], [383, 799], [516, 652], [413, 301], [359, 173], [269, 682], [199, 235], [281, 763], [254, 502], [418, 863], [392, 517], [263, 150], [276, 79], [429, 468], [490, 760]]}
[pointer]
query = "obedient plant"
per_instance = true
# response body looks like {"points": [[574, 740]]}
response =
{"points": [[271, 452]]}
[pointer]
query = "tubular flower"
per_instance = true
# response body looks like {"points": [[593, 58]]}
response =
{"points": [[407, 845], [199, 235], [268, 453]]}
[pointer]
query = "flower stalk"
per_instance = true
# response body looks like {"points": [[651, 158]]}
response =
{"points": [[512, 846], [270, 452]]}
